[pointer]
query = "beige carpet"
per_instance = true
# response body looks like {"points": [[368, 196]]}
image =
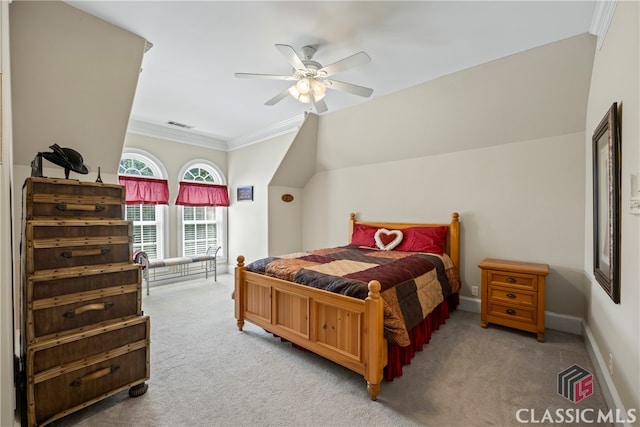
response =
{"points": [[204, 372]]}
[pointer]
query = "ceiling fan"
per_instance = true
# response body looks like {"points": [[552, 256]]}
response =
{"points": [[312, 79]]}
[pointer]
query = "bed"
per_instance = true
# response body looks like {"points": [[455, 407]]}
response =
{"points": [[385, 297]]}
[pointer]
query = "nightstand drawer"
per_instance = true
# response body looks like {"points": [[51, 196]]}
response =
{"points": [[512, 312], [513, 280], [509, 296]]}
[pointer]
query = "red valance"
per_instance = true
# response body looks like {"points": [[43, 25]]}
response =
{"points": [[146, 191], [200, 194]]}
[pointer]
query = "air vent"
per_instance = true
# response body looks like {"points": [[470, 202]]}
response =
{"points": [[180, 125]]}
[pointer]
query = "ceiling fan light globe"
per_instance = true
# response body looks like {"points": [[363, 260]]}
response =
{"points": [[304, 98], [318, 88], [303, 86], [293, 91]]}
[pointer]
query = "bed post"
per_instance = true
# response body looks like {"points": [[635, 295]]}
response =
{"points": [[238, 293], [352, 222], [374, 339], [454, 239]]}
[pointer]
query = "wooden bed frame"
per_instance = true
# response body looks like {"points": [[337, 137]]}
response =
{"points": [[346, 330]]}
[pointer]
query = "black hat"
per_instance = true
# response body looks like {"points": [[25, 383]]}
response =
{"points": [[68, 158]]}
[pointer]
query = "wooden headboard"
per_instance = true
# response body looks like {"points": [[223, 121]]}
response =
{"points": [[453, 232]]}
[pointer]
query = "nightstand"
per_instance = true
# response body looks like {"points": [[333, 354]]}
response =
{"points": [[513, 294]]}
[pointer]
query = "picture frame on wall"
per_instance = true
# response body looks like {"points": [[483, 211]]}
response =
{"points": [[606, 203], [245, 193]]}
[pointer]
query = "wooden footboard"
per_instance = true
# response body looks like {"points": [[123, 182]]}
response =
{"points": [[345, 330]]}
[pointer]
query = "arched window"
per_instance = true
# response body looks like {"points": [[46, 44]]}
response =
{"points": [[148, 219], [203, 226]]}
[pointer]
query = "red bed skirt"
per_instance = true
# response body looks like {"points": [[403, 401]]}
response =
{"points": [[419, 335]]}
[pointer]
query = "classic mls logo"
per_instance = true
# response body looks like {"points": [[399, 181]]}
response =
{"points": [[575, 383]]}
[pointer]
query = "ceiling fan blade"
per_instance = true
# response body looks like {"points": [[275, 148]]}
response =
{"points": [[279, 97], [360, 58], [291, 55], [319, 104], [264, 76], [348, 87]]}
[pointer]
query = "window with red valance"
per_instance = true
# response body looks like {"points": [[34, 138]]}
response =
{"points": [[146, 191], [201, 194]]}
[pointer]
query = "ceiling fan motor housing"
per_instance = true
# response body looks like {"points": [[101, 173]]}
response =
{"points": [[311, 70], [308, 52]]}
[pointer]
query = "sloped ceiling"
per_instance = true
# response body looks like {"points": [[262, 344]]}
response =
{"points": [[299, 163], [535, 94], [73, 79], [188, 75]]}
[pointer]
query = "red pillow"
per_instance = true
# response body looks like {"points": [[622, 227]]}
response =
{"points": [[424, 239], [363, 235]]}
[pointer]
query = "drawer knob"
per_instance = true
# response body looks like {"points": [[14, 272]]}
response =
{"points": [[94, 375], [511, 311], [511, 295], [511, 280]]}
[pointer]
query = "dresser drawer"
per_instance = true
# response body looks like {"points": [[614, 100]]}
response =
{"points": [[512, 312], [513, 280], [52, 317], [66, 199], [66, 375], [511, 296], [80, 280], [63, 244]]}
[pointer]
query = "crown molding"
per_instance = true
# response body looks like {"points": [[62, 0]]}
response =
{"points": [[277, 129], [175, 135], [601, 21], [140, 127]]}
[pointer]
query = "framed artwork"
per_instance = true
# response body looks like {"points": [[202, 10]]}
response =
{"points": [[606, 204], [245, 193], [0, 118]]}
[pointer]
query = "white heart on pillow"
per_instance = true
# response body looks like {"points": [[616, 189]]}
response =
{"points": [[385, 234]]}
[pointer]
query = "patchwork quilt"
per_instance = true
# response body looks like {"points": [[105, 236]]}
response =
{"points": [[413, 283]]}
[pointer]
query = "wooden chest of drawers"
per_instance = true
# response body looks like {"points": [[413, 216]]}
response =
{"points": [[513, 294], [85, 337]]}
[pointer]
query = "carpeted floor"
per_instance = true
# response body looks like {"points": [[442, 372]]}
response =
{"points": [[204, 372]]}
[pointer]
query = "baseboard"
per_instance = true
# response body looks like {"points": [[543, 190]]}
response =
{"points": [[563, 322], [555, 321], [607, 386], [469, 304]]}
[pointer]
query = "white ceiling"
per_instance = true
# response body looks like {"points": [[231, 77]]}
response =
{"points": [[188, 75]]}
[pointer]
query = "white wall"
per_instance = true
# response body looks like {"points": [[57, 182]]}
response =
{"points": [[249, 220], [615, 328], [285, 221], [521, 201]]}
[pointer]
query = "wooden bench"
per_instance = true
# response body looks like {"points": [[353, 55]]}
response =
{"points": [[177, 267]]}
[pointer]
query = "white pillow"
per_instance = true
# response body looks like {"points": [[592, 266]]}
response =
{"points": [[385, 239]]}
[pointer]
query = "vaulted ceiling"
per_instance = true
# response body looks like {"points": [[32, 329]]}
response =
{"points": [[188, 74]]}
